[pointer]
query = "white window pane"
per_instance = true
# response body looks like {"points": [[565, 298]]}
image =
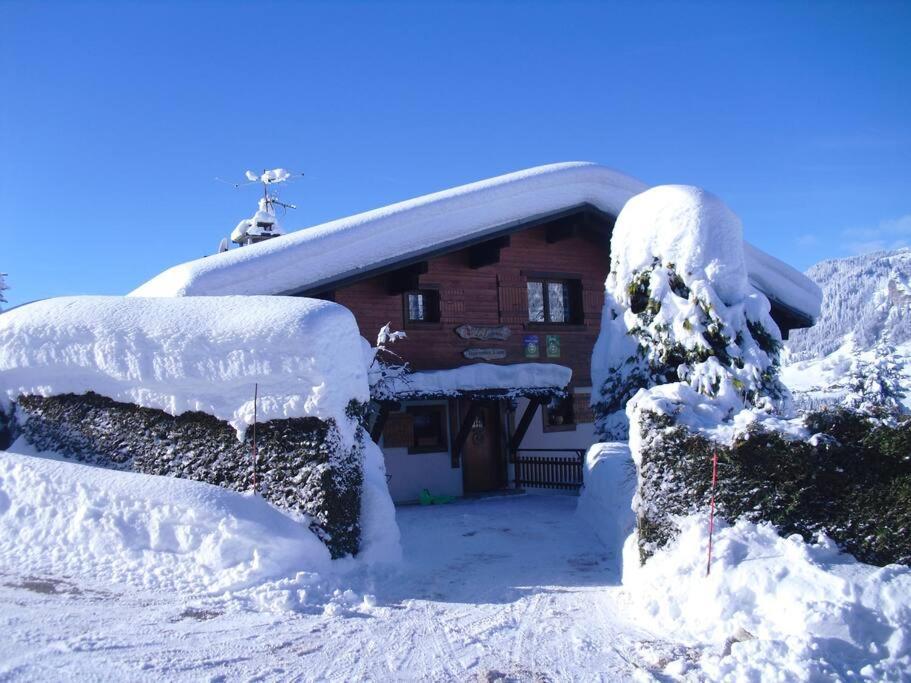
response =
{"points": [[536, 302], [415, 306], [557, 301]]}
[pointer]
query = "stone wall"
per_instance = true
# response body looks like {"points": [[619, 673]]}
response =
{"points": [[301, 464]]}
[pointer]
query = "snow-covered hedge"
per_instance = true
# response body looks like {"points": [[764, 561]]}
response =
{"points": [[847, 476], [166, 386]]}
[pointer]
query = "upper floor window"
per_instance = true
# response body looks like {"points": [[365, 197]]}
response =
{"points": [[422, 306], [554, 301]]}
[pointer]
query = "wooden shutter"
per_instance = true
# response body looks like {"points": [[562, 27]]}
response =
{"points": [[399, 431], [513, 301]]}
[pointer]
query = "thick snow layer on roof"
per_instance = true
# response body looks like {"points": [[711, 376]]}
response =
{"points": [[344, 247], [517, 377], [189, 353], [782, 283]]}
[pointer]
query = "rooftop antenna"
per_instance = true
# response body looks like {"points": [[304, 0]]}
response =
{"points": [[263, 225]]}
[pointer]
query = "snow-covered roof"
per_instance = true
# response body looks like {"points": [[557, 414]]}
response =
{"points": [[317, 257]]}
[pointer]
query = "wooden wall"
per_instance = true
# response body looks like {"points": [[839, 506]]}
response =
{"points": [[491, 295]]}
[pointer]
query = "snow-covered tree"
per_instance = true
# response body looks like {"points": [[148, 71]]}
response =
{"points": [[875, 386], [679, 309]]}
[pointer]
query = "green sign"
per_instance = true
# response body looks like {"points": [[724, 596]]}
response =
{"points": [[553, 345], [532, 346]]}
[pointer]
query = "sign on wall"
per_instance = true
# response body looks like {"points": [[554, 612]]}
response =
{"points": [[483, 332], [484, 354], [532, 345], [553, 345]]}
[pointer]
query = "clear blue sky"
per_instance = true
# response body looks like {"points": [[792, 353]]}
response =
{"points": [[115, 118]]}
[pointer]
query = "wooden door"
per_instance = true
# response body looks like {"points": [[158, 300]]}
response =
{"points": [[482, 458]]}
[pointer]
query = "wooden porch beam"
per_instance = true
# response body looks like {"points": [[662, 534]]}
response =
{"points": [[533, 403], [376, 431], [462, 436]]}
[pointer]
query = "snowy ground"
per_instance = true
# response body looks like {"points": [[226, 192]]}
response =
{"points": [[509, 588]]}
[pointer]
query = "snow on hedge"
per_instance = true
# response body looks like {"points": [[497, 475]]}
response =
{"points": [[772, 608], [62, 519], [190, 354]]}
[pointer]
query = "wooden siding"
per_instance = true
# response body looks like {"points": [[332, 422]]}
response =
{"points": [[491, 295]]}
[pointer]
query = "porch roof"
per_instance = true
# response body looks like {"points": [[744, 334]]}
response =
{"points": [[481, 380]]}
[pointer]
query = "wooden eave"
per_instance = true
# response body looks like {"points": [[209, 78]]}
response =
{"points": [[496, 233]]}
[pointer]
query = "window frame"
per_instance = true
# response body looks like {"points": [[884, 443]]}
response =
{"points": [[441, 409], [547, 427], [431, 292], [573, 287]]}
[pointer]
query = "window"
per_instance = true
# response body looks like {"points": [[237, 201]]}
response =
{"points": [[429, 425], [554, 301], [422, 306], [559, 415]]}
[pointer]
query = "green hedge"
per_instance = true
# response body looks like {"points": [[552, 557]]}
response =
{"points": [[301, 465], [852, 481]]}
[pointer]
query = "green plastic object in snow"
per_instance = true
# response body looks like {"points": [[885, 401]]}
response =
{"points": [[428, 499]]}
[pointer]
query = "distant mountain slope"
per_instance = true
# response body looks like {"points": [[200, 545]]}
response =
{"points": [[859, 352], [867, 297]]}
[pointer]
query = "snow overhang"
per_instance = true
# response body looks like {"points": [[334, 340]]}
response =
{"points": [[482, 380]]}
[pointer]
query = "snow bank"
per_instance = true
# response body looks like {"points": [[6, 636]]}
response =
{"points": [[380, 537], [606, 497], [66, 520], [783, 608], [341, 248], [480, 377], [189, 354]]}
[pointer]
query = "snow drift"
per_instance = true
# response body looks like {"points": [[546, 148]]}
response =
{"points": [[159, 533], [189, 354], [773, 608]]}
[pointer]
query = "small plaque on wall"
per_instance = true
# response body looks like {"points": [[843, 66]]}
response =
{"points": [[532, 345], [399, 431], [553, 345], [484, 354]]}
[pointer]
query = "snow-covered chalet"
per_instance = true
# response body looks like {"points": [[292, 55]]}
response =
{"points": [[499, 286]]}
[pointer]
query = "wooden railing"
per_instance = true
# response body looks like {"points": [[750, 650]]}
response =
{"points": [[550, 471]]}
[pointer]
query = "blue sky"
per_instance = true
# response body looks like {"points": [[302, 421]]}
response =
{"points": [[116, 118]]}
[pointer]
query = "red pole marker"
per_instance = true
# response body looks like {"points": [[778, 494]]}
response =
{"points": [[255, 397], [708, 567]]}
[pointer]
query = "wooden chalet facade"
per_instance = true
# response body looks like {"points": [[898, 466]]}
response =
{"points": [[532, 294], [508, 272]]}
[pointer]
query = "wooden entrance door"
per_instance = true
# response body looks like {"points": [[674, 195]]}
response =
{"points": [[482, 457]]}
